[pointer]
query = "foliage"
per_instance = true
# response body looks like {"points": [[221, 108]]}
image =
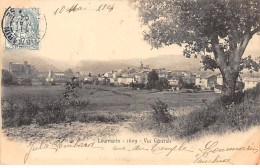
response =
{"points": [[214, 118], [250, 64], [219, 31], [64, 109], [161, 113], [189, 86], [163, 83], [252, 93], [88, 82], [70, 92], [154, 82], [137, 85], [51, 112], [14, 116], [9, 112], [26, 81], [152, 78], [196, 121], [8, 78], [238, 112], [195, 23]]}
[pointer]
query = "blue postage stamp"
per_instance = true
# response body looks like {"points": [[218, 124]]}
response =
{"points": [[21, 28]]}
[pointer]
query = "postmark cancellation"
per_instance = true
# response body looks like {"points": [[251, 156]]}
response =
{"points": [[23, 28]]}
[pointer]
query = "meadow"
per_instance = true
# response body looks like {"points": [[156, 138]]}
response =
{"points": [[34, 112], [106, 98]]}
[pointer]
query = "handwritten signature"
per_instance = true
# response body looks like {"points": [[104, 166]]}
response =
{"points": [[77, 7], [57, 145]]}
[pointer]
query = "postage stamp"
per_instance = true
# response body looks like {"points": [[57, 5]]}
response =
{"points": [[21, 28]]}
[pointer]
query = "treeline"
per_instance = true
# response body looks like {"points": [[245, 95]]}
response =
{"points": [[9, 79]]}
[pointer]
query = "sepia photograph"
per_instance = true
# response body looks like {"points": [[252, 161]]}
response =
{"points": [[127, 82]]}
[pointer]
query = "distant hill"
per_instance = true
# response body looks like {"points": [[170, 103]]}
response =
{"points": [[41, 63], [100, 67], [171, 62]]}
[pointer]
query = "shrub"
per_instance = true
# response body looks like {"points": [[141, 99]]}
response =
{"points": [[88, 82], [8, 78], [71, 115], [27, 113], [253, 93], [238, 112], [137, 85], [52, 112], [9, 111], [26, 81], [197, 120], [161, 113], [240, 116], [79, 104], [237, 98], [14, 116]]}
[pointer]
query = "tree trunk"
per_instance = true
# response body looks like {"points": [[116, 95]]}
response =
{"points": [[229, 63], [229, 81]]}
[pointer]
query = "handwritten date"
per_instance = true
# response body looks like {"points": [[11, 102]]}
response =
{"points": [[77, 7]]}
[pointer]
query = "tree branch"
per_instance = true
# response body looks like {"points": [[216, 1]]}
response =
{"points": [[218, 52]]}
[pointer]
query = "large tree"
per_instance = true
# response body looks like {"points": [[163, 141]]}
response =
{"points": [[217, 30]]}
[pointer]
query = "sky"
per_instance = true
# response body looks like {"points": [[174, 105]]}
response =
{"points": [[99, 35]]}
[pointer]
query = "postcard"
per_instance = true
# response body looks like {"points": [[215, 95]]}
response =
{"points": [[170, 82]]}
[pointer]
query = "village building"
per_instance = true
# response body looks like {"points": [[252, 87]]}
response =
{"points": [[206, 82], [116, 74], [126, 80], [24, 70], [219, 83], [141, 77], [189, 78], [219, 79], [90, 78], [173, 82], [113, 80], [142, 67], [250, 82], [108, 74], [59, 77]]}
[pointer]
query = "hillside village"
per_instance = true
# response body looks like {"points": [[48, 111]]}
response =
{"points": [[125, 77]]}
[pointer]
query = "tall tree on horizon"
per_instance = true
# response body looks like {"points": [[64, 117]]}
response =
{"points": [[217, 30]]}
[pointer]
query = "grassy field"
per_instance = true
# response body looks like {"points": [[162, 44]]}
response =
{"points": [[105, 98], [180, 114]]}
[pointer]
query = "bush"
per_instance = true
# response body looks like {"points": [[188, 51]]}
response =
{"points": [[238, 112], [9, 112], [189, 86], [49, 112], [137, 85], [26, 81], [253, 93], [8, 78], [88, 82], [52, 112], [161, 113], [237, 98], [197, 120], [14, 115]]}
